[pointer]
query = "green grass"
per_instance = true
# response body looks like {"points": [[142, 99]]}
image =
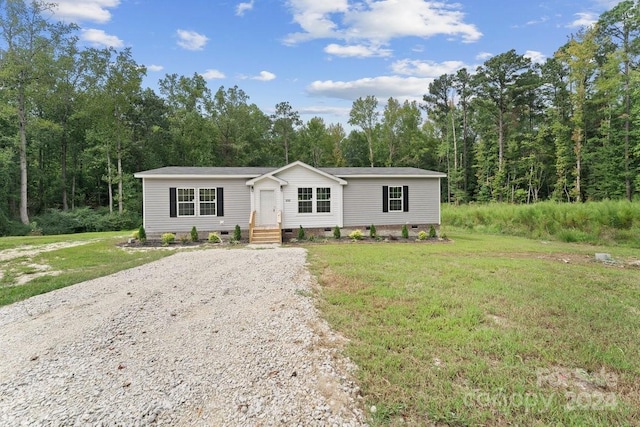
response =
{"points": [[99, 257], [607, 222], [458, 333]]}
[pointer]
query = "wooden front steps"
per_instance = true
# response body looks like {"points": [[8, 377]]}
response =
{"points": [[265, 235]]}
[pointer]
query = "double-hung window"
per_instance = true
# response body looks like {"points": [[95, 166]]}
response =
{"points": [[207, 201], [323, 200], [305, 200], [314, 200], [186, 202], [395, 199]]}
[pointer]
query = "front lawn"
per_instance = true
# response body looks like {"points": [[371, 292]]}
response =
{"points": [[488, 330], [34, 265]]}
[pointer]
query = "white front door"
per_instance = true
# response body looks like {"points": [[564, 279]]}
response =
{"points": [[267, 210]]}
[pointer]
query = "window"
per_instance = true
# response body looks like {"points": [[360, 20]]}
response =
{"points": [[323, 200], [395, 199], [207, 201], [305, 202], [186, 202], [196, 202]]}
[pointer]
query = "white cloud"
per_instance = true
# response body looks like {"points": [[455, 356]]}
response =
{"points": [[212, 74], [538, 21], [381, 87], [314, 18], [426, 68], [85, 10], [191, 40], [375, 23], [244, 7], [584, 19], [99, 38], [155, 68], [359, 51], [315, 110], [264, 76], [483, 56], [535, 56]]}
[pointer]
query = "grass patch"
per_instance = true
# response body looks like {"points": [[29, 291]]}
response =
{"points": [[488, 330], [607, 222], [99, 256]]}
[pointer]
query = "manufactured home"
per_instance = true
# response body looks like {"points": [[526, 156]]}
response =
{"points": [[268, 202]]}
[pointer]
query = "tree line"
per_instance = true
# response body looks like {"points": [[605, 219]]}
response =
{"points": [[76, 123]]}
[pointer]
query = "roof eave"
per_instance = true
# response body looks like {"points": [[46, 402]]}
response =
{"points": [[193, 176], [391, 176]]}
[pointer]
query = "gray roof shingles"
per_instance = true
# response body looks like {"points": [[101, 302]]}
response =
{"points": [[257, 171]]}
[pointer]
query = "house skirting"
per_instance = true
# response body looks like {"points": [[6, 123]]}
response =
{"points": [[381, 230]]}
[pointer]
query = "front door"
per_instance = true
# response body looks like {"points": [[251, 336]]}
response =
{"points": [[267, 211]]}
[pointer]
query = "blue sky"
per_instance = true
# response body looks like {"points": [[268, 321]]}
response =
{"points": [[321, 55]]}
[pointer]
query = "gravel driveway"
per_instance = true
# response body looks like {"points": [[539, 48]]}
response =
{"points": [[200, 338]]}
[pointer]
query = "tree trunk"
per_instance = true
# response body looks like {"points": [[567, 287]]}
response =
{"points": [[627, 120], [22, 130], [120, 195], [110, 187], [63, 172]]}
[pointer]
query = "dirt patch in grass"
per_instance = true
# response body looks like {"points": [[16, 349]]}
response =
{"points": [[33, 250]]}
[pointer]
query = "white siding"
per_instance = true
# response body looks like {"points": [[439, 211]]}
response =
{"points": [[156, 206], [300, 177], [363, 202]]}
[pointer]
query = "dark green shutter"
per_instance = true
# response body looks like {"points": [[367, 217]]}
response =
{"points": [[405, 198], [173, 203], [220, 199], [385, 198]]}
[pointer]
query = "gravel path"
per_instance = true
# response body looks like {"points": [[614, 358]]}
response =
{"points": [[200, 338]]}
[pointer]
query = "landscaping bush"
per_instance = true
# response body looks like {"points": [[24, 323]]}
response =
{"points": [[194, 234], [372, 231], [336, 232], [237, 233], [142, 234], [422, 235], [168, 238], [432, 232], [184, 238], [214, 238], [300, 233], [356, 235], [405, 232]]}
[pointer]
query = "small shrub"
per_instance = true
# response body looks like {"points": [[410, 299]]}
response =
{"points": [[168, 238], [194, 234], [184, 238], [422, 235], [237, 233], [356, 235], [135, 235], [300, 233], [214, 238], [336, 232], [432, 232], [372, 231], [405, 232], [142, 234]]}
